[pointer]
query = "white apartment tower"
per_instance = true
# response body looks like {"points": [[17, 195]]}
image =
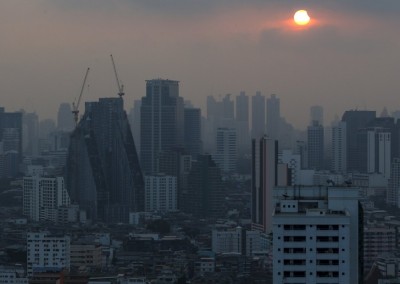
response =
{"points": [[46, 253], [42, 196], [316, 235], [226, 154], [161, 193]]}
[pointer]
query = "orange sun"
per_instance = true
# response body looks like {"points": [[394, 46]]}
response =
{"points": [[301, 18]]}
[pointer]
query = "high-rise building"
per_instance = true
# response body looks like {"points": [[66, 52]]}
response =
{"points": [[30, 133], [134, 121], [192, 131], [65, 119], [379, 151], [47, 253], [226, 155], [11, 128], [220, 113], [161, 193], [339, 143], [273, 116], [293, 162], [263, 180], [204, 194], [162, 122], [42, 196], [317, 235], [242, 124], [317, 114], [315, 146], [301, 149], [355, 120], [393, 191], [258, 129], [379, 240], [103, 172]]}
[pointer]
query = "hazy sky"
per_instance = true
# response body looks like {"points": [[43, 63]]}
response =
{"points": [[348, 58]]}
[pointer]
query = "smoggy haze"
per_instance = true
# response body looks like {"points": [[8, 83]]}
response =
{"points": [[348, 58]]}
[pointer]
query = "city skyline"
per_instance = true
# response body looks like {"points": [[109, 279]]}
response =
{"points": [[346, 59]]}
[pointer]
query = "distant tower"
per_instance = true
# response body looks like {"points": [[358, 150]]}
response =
{"points": [[11, 122], [317, 114], [355, 120], [315, 142], [226, 154], [205, 191], [103, 172], [30, 133], [263, 180], [162, 122], [192, 131], [378, 151], [273, 116], [258, 116], [242, 123], [65, 120], [339, 157]]}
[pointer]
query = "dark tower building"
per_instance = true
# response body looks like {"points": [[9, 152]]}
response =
{"points": [[11, 129], [30, 133], [192, 131], [273, 116], [263, 180], [103, 171], [205, 192], [162, 122], [242, 123], [355, 120], [65, 119], [258, 129], [315, 146]]}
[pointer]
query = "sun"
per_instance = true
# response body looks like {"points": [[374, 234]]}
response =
{"points": [[301, 18]]}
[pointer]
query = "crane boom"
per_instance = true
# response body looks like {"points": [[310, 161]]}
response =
{"points": [[75, 107], [119, 85]]}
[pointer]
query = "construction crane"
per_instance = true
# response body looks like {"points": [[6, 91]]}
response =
{"points": [[75, 106], [119, 85]]}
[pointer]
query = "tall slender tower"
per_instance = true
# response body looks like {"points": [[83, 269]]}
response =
{"points": [[273, 116], [192, 131], [242, 123], [258, 116], [315, 142], [263, 180], [162, 122], [339, 158]]}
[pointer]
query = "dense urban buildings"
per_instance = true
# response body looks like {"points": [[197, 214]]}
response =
{"points": [[233, 210]]}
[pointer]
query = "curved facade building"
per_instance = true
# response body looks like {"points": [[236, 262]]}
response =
{"points": [[103, 173]]}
